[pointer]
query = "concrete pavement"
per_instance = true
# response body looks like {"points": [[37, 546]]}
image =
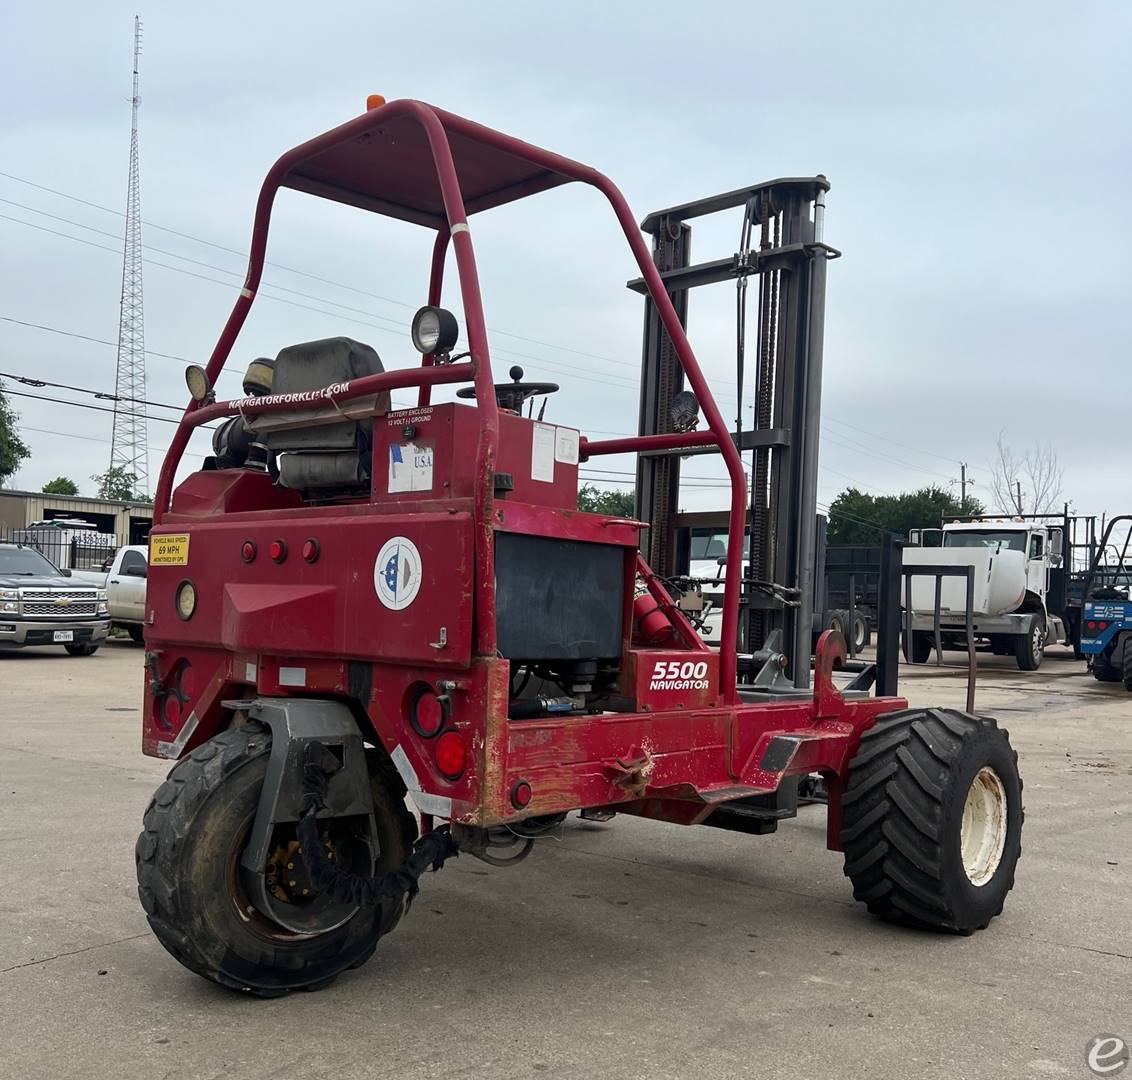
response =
{"points": [[631, 949]]}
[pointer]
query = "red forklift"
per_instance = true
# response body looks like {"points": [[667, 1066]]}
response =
{"points": [[354, 609]]}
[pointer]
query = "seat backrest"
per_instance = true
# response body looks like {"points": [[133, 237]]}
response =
{"points": [[316, 365]]}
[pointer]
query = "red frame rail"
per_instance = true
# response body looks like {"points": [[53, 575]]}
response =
{"points": [[437, 126]]}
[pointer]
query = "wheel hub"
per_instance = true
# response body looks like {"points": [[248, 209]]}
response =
{"points": [[982, 834]]}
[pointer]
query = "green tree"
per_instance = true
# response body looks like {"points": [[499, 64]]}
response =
{"points": [[61, 485], [13, 449], [119, 483], [615, 503], [856, 517]]}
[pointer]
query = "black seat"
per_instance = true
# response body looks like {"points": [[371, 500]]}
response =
{"points": [[327, 445]]}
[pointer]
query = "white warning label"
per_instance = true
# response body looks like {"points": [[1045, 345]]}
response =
{"points": [[542, 453], [566, 446]]}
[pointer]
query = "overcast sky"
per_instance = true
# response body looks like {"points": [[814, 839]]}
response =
{"points": [[979, 156]]}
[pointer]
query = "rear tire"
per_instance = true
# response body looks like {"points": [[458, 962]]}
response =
{"points": [[932, 824], [1029, 649], [189, 880], [922, 648], [81, 648], [1103, 669], [1126, 667], [862, 634]]}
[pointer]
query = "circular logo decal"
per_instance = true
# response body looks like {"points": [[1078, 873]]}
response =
{"points": [[397, 573]]}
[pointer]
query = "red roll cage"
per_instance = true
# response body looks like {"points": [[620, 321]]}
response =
{"points": [[413, 161]]}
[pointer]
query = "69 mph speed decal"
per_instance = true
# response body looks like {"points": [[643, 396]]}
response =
{"points": [[397, 573]]}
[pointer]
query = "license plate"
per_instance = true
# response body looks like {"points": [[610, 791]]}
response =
{"points": [[63, 635]]}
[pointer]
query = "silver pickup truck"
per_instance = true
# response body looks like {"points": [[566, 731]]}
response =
{"points": [[124, 581], [42, 605]]}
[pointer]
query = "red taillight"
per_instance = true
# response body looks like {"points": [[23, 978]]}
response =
{"points": [[450, 754], [520, 794], [1103, 625], [427, 714], [310, 550], [278, 550], [1091, 625], [247, 551]]}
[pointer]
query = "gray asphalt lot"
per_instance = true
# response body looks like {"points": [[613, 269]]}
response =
{"points": [[629, 949]]}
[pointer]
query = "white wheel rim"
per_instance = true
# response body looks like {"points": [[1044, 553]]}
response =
{"points": [[982, 834]]}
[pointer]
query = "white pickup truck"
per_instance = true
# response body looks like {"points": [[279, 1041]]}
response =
{"points": [[1011, 610], [124, 583]]}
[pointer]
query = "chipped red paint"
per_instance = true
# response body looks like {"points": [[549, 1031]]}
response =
{"points": [[676, 741]]}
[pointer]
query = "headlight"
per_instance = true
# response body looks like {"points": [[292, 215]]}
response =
{"points": [[9, 606], [103, 594], [9, 594], [434, 330], [186, 600]]}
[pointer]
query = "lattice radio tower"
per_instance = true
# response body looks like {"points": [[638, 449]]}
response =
{"points": [[129, 449]]}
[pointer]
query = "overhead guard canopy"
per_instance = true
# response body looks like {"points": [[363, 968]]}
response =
{"points": [[382, 161]]}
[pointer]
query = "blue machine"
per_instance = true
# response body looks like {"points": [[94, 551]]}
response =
{"points": [[1106, 621]]}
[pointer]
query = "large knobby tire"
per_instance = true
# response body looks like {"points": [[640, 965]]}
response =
{"points": [[1030, 648], [932, 825], [189, 881], [1103, 668], [1126, 667]]}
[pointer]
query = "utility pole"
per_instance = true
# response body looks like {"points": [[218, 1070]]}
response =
{"points": [[1018, 496], [963, 486], [129, 448]]}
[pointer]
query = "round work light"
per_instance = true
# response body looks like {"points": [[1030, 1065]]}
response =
{"points": [[434, 330]]}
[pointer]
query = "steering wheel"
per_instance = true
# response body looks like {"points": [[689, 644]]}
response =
{"points": [[512, 395]]}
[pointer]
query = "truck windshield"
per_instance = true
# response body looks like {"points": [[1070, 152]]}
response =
{"points": [[996, 541], [25, 562]]}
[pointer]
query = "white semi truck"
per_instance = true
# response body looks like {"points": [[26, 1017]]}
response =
{"points": [[1019, 589]]}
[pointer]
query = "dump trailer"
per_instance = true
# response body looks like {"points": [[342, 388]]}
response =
{"points": [[348, 604]]}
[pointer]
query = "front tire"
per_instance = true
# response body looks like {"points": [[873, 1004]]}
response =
{"points": [[1031, 648], [189, 876], [932, 819]]}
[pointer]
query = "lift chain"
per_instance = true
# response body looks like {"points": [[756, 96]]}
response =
{"points": [[429, 852]]}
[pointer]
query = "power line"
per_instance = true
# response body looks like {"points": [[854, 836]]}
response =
{"points": [[624, 382], [29, 381]]}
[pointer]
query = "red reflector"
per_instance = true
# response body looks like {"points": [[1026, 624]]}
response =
{"points": [[450, 754], [1103, 626], [247, 551], [428, 715], [1091, 625], [310, 550], [278, 550], [520, 794]]}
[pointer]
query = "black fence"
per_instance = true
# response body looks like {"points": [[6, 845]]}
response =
{"points": [[69, 549]]}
